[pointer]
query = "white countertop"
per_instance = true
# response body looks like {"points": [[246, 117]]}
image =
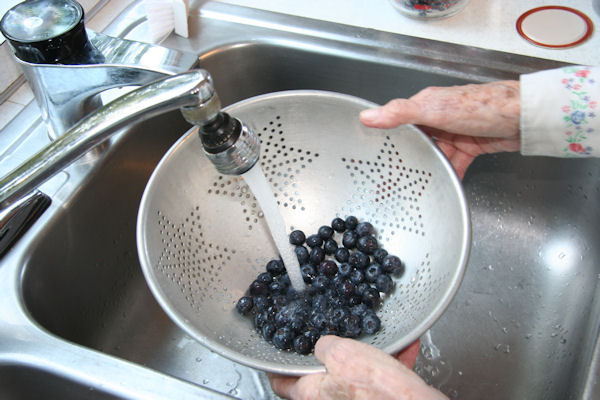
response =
{"points": [[487, 24]]}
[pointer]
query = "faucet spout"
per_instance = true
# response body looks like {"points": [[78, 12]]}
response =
{"points": [[193, 90]]}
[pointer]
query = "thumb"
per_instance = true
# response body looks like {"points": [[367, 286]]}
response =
{"points": [[391, 115]]}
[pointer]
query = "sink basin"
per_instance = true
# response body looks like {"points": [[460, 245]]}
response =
{"points": [[524, 323]]}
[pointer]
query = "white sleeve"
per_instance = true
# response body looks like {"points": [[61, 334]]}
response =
{"points": [[558, 112]]}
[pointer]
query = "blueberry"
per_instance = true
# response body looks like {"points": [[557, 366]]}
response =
{"points": [[379, 255], [325, 232], [320, 283], [244, 305], [330, 329], [283, 338], [308, 273], [319, 320], [361, 288], [349, 239], [277, 287], [384, 284], [357, 276], [314, 241], [346, 289], [268, 329], [370, 323], [350, 326], [261, 303], [279, 301], [330, 246], [364, 228], [336, 301], [391, 265], [317, 254], [297, 237], [372, 272], [351, 222], [371, 297], [275, 267], [367, 244], [359, 260], [301, 254], [260, 319], [319, 303], [258, 288], [312, 334], [338, 314], [342, 254], [285, 280], [359, 310], [338, 225], [302, 345], [328, 268], [354, 300], [344, 270], [297, 324], [265, 278]]}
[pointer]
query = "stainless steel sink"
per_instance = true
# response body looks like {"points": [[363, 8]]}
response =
{"points": [[76, 314]]}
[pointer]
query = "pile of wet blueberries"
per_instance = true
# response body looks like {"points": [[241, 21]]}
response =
{"points": [[347, 275]]}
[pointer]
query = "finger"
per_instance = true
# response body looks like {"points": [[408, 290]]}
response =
{"points": [[282, 385], [408, 356], [391, 115]]}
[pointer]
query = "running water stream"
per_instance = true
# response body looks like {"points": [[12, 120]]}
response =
{"points": [[261, 190]]}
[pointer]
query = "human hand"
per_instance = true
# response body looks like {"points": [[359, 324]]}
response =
{"points": [[357, 371], [465, 121]]}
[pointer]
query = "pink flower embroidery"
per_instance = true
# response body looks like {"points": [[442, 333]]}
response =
{"points": [[576, 147], [592, 104], [566, 109], [582, 73], [577, 86]]}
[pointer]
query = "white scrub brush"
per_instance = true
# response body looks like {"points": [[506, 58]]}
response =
{"points": [[166, 16]]}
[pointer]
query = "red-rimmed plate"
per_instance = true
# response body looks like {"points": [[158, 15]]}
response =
{"points": [[555, 27]]}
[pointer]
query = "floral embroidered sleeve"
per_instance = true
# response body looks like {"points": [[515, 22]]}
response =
{"points": [[559, 112]]}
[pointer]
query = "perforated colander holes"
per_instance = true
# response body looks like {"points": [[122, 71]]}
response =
{"points": [[282, 164], [191, 262]]}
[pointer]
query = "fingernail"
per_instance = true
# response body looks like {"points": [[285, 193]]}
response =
{"points": [[369, 114]]}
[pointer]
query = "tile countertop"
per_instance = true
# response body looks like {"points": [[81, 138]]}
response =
{"points": [[489, 24]]}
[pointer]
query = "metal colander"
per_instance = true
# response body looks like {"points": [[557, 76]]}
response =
{"points": [[202, 237]]}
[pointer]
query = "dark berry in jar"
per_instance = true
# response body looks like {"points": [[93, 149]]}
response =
{"points": [[316, 255], [338, 225], [330, 246], [297, 237], [367, 244], [301, 254], [351, 222], [328, 268], [275, 267], [283, 338], [244, 305], [384, 284], [342, 254], [325, 232], [349, 239], [314, 241], [364, 228]]}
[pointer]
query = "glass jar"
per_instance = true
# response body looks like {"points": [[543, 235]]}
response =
{"points": [[429, 8]]}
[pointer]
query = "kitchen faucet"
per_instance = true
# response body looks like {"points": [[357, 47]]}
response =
{"points": [[68, 98]]}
